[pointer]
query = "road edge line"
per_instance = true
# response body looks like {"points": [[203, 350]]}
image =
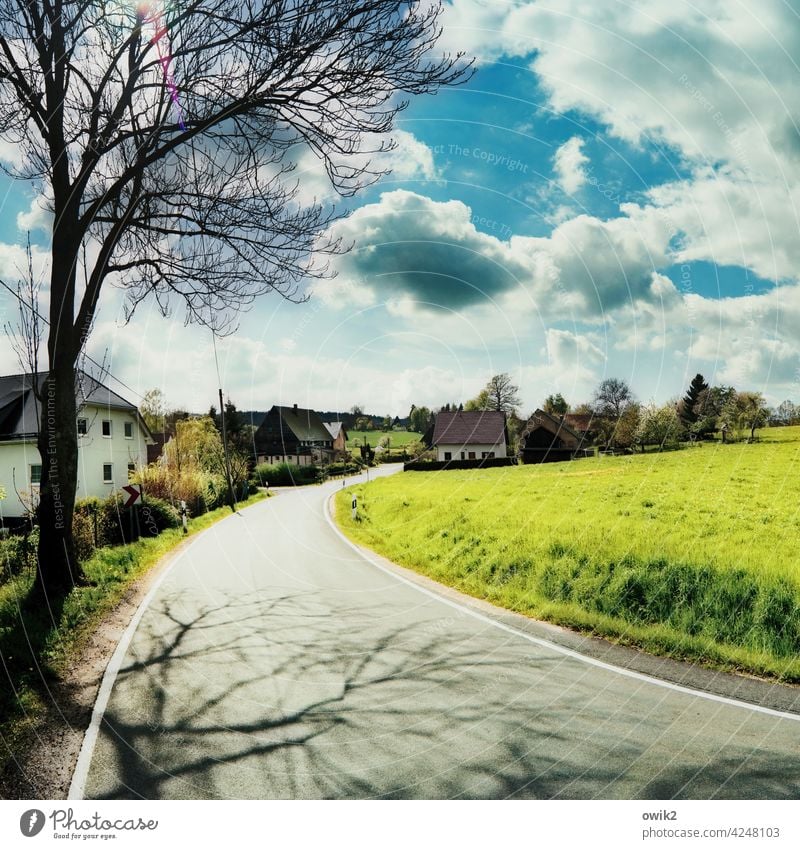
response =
{"points": [[367, 555], [80, 774]]}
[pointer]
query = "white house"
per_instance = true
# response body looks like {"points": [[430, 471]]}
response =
{"points": [[469, 435], [112, 441]]}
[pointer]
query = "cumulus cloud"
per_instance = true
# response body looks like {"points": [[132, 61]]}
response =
{"points": [[409, 245], [411, 249], [568, 165], [715, 83]]}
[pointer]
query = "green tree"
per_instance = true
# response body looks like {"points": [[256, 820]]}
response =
{"points": [[686, 407], [419, 419], [479, 402], [745, 411], [556, 405], [153, 408], [658, 425]]}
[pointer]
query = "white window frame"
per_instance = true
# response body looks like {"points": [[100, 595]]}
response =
{"points": [[125, 427], [111, 467], [32, 467], [85, 426], [110, 433]]}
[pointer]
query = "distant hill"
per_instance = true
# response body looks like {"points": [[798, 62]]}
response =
{"points": [[255, 417]]}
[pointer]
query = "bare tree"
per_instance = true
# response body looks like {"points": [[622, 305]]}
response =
{"points": [[611, 398], [164, 138], [502, 394]]}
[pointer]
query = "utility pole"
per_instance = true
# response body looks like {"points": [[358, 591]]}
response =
{"points": [[225, 451]]}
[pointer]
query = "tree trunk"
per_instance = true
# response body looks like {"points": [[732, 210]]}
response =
{"points": [[58, 567]]}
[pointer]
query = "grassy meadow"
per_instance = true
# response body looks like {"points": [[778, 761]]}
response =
{"points": [[398, 438], [692, 553]]}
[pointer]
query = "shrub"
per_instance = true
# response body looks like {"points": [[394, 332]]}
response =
{"points": [[118, 525], [18, 553], [200, 490], [157, 516], [287, 474]]}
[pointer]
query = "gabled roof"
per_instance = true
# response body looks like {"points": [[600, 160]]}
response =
{"points": [[555, 424], [306, 425], [19, 407], [334, 429], [474, 427]]}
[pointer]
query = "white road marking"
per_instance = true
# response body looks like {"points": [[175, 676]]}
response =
{"points": [[619, 670]]}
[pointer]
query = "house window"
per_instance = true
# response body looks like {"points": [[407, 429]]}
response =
{"points": [[131, 469], [108, 473], [82, 427], [448, 455], [107, 427], [462, 455], [471, 455], [36, 475], [128, 430], [487, 455]]}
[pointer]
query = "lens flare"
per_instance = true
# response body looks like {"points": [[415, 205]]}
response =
{"points": [[150, 13]]}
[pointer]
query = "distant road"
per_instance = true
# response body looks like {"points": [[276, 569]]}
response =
{"points": [[275, 661]]}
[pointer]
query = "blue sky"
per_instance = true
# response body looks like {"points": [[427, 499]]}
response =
{"points": [[615, 192]]}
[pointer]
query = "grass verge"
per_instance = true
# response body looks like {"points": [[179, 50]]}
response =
{"points": [[690, 554], [36, 649]]}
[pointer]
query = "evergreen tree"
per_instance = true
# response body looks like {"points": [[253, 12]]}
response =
{"points": [[687, 406]]}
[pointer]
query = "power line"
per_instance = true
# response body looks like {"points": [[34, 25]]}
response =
{"points": [[90, 359]]}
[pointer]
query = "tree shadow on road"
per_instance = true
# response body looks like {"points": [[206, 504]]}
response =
{"points": [[271, 697]]}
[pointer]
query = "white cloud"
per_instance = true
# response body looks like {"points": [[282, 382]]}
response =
{"points": [[410, 160], [568, 164], [39, 216]]}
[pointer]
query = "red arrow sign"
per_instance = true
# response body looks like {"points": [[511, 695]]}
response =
{"points": [[134, 492]]}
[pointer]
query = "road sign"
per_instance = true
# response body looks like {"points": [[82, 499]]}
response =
{"points": [[134, 493], [355, 507]]}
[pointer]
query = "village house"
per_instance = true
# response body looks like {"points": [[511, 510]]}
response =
{"points": [[339, 437], [112, 441], [469, 435], [547, 438], [293, 435]]}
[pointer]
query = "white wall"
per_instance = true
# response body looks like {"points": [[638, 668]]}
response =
{"points": [[478, 448], [94, 450]]}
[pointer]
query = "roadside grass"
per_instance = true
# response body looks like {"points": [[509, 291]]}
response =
{"points": [[36, 648], [398, 438], [691, 554]]}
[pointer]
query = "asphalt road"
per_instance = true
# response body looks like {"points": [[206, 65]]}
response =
{"points": [[275, 661]]}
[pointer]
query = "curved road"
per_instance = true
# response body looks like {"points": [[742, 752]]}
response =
{"points": [[275, 661]]}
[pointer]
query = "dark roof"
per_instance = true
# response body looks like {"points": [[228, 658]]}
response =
{"points": [[459, 427], [305, 425], [557, 423], [18, 405]]}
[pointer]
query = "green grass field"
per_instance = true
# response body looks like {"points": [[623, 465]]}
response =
{"points": [[398, 438], [692, 553]]}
